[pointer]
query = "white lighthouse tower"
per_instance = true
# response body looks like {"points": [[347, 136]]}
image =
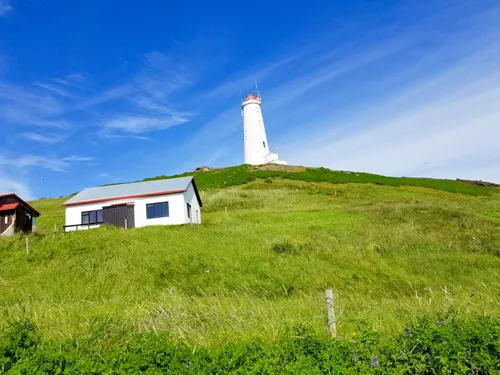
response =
{"points": [[256, 145]]}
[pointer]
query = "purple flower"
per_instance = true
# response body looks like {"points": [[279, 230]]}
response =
{"points": [[440, 324], [408, 331], [355, 359], [374, 361], [188, 364]]}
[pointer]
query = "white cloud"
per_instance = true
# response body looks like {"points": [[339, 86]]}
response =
{"points": [[243, 80], [43, 138], [72, 80], [53, 88], [115, 93], [50, 163], [143, 124], [23, 107], [451, 120], [148, 95], [5, 8], [8, 184]]}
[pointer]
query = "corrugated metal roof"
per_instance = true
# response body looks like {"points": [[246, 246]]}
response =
{"points": [[135, 189], [8, 206], [22, 202]]}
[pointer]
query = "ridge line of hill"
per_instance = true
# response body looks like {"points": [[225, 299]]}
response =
{"points": [[238, 175]]}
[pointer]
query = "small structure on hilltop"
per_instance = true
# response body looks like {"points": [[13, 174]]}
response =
{"points": [[256, 145], [16, 215], [139, 204], [203, 168]]}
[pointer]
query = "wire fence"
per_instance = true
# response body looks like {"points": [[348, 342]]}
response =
{"points": [[203, 321]]}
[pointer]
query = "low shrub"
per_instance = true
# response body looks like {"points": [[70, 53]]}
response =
{"points": [[284, 247], [445, 345]]}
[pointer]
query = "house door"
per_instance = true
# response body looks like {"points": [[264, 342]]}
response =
{"points": [[120, 215], [5, 220]]}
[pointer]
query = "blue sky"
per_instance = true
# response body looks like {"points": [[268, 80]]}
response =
{"points": [[107, 91]]}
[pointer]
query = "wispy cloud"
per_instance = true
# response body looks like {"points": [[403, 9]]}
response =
{"points": [[11, 184], [448, 118], [25, 107], [242, 80], [35, 137], [141, 103], [15, 176], [148, 97], [116, 93], [53, 88], [423, 96], [137, 124], [5, 8], [50, 163], [72, 80]]}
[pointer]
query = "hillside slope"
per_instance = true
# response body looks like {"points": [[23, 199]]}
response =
{"points": [[238, 175], [391, 254]]}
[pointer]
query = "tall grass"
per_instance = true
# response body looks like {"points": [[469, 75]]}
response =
{"points": [[391, 255]]}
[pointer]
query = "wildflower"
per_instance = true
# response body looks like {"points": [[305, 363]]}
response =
{"points": [[355, 359], [440, 323], [374, 361], [408, 331], [189, 364], [403, 353]]}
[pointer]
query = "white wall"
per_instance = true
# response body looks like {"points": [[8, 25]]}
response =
{"points": [[190, 197], [176, 203], [254, 133]]}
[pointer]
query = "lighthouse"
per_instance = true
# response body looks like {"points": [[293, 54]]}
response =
{"points": [[256, 145]]}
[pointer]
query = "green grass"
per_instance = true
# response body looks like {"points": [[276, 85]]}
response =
{"points": [[446, 344], [391, 254], [233, 176]]}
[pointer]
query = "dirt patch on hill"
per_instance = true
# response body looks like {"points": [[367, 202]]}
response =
{"points": [[203, 168], [480, 183], [278, 167]]}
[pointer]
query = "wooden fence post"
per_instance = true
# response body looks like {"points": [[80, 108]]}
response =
{"points": [[330, 313], [27, 247]]}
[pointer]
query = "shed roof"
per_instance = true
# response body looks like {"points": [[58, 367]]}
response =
{"points": [[20, 201], [133, 190], [8, 206]]}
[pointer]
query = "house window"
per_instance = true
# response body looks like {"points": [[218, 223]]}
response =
{"points": [[156, 210], [6, 219], [92, 217], [189, 210]]}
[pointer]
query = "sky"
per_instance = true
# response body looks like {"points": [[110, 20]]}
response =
{"points": [[107, 91]]}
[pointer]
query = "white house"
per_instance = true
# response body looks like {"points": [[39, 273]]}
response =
{"points": [[139, 204]]}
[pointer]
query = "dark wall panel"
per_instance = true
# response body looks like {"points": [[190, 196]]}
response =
{"points": [[116, 215]]}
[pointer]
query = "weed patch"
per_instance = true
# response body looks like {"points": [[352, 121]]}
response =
{"points": [[444, 344]]}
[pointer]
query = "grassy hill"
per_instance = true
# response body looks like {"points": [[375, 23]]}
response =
{"points": [[393, 250]]}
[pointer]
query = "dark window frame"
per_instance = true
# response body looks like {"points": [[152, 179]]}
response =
{"points": [[157, 210], [88, 215], [188, 210]]}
